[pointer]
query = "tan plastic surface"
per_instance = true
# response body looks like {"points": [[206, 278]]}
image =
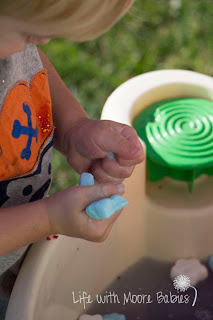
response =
{"points": [[54, 269], [166, 223], [179, 224]]}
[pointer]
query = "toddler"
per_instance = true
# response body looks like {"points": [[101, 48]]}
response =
{"points": [[37, 113]]}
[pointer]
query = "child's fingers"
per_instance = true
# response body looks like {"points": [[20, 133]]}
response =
{"points": [[130, 134], [79, 163], [101, 175], [129, 163], [113, 218], [100, 229], [89, 194], [110, 223], [105, 170], [120, 139]]}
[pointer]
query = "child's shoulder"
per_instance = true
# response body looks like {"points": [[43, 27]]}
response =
{"points": [[19, 66], [26, 129]]}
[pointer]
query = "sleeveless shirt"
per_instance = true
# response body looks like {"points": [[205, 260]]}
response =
{"points": [[26, 134]]}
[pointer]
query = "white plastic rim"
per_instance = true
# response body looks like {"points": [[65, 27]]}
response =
{"points": [[139, 92]]}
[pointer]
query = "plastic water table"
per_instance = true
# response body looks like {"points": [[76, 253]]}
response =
{"points": [[170, 211]]}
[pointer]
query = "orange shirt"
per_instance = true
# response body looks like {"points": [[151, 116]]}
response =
{"points": [[26, 140]]}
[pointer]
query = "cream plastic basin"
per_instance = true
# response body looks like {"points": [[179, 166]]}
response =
{"points": [[54, 269]]}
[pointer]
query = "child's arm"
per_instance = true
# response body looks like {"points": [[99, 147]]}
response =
{"points": [[62, 213], [23, 224], [67, 111], [86, 142]]}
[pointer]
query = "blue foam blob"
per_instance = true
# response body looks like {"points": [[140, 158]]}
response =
{"points": [[114, 316], [104, 208], [110, 155], [118, 202], [86, 179], [101, 209]]}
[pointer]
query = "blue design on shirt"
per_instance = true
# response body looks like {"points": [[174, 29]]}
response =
{"points": [[18, 130]]}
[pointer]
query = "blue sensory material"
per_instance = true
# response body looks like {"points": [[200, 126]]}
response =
{"points": [[104, 208], [86, 179], [110, 155], [114, 316], [118, 202]]}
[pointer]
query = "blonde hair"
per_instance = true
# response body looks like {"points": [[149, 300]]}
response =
{"points": [[78, 20]]}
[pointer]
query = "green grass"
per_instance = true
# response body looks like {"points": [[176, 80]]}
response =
{"points": [[155, 34]]}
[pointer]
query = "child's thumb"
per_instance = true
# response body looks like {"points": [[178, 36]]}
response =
{"points": [[100, 191]]}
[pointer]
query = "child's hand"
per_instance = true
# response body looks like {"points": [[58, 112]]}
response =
{"points": [[90, 142], [66, 211]]}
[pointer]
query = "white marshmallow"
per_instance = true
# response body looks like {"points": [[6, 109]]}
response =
{"points": [[191, 268], [88, 317]]}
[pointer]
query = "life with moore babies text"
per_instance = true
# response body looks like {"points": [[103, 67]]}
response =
{"points": [[112, 297]]}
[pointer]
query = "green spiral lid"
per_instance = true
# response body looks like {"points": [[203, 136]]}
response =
{"points": [[179, 138]]}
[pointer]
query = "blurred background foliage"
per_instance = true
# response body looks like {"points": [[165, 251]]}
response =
{"points": [[155, 34]]}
